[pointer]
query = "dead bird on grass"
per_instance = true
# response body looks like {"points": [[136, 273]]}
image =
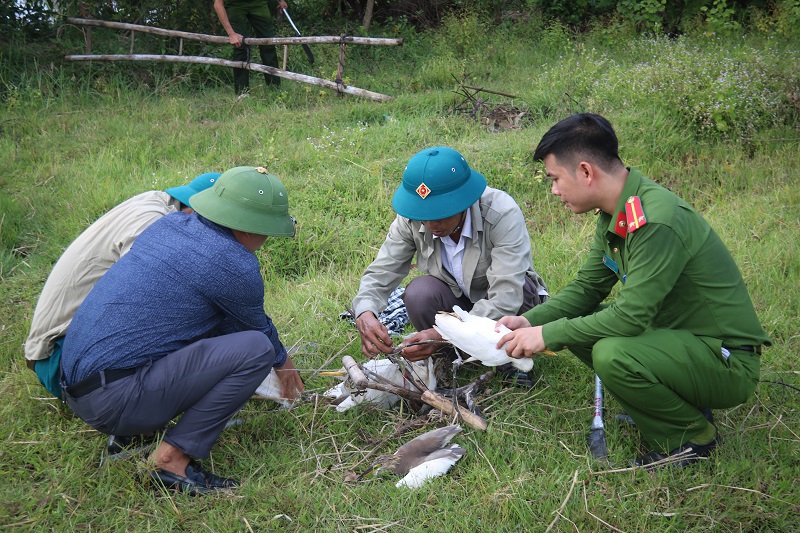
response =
{"points": [[425, 457]]}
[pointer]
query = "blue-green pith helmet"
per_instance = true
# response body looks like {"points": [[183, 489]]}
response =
{"points": [[437, 183], [183, 193], [247, 199]]}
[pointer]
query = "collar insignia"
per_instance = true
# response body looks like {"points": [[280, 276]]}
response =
{"points": [[634, 214], [621, 225]]}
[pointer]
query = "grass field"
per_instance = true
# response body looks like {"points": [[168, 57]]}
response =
{"points": [[713, 120]]}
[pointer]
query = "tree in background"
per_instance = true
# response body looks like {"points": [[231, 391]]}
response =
{"points": [[36, 19]]}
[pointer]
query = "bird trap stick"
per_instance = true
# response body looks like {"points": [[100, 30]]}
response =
{"points": [[597, 434], [431, 398]]}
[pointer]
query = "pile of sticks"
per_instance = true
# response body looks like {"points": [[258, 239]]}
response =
{"points": [[496, 117], [429, 397]]}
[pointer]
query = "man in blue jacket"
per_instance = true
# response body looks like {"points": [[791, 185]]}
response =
{"points": [[177, 327]]}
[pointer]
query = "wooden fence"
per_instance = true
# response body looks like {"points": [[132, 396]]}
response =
{"points": [[338, 85]]}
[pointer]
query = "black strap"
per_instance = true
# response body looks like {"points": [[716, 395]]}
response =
{"points": [[95, 381], [745, 348]]}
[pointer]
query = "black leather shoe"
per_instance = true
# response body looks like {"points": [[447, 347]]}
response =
{"points": [[681, 456], [196, 482], [117, 444]]}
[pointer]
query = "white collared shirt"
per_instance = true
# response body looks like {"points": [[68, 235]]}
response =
{"points": [[453, 252]]}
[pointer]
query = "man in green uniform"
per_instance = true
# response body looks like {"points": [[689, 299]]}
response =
{"points": [[682, 334], [236, 16]]}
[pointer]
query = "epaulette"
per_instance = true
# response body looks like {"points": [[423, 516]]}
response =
{"points": [[634, 214]]}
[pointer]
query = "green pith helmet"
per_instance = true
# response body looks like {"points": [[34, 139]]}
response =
{"points": [[183, 193], [437, 183], [247, 199]]}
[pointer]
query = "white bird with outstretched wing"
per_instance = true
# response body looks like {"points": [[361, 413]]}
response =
{"points": [[386, 371], [422, 458], [476, 336]]}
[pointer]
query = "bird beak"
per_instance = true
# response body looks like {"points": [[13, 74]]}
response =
{"points": [[367, 472]]}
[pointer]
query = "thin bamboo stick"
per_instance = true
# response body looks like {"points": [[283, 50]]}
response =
{"points": [[302, 78], [378, 41]]}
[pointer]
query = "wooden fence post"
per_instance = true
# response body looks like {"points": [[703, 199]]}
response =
{"points": [[340, 69], [87, 35]]}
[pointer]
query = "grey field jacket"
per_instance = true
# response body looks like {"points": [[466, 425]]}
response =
{"points": [[496, 260]]}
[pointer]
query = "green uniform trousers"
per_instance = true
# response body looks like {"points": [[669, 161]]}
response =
{"points": [[256, 15], [662, 377]]}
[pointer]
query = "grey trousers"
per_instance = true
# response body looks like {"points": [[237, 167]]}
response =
{"points": [[427, 295], [207, 381]]}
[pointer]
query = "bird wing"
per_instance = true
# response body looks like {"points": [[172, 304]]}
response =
{"points": [[389, 371], [463, 315], [424, 371], [476, 336], [441, 461], [346, 404], [416, 451]]}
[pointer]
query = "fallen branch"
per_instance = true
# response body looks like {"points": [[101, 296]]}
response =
{"points": [[481, 89], [302, 78], [745, 489], [564, 503]]}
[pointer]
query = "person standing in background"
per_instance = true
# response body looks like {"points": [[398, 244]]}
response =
{"points": [[236, 17]]}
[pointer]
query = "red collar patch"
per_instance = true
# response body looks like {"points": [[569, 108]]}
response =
{"points": [[621, 225]]}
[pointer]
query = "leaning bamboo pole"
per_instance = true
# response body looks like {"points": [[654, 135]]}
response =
{"points": [[380, 41], [236, 64], [341, 40]]}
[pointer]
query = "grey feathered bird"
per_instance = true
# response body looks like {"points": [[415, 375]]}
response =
{"points": [[422, 458]]}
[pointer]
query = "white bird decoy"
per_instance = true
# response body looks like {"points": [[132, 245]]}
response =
{"points": [[425, 457], [389, 372], [476, 336]]}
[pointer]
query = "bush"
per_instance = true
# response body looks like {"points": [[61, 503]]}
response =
{"points": [[718, 90]]}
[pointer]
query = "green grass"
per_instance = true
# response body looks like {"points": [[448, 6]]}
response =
{"points": [[73, 148]]}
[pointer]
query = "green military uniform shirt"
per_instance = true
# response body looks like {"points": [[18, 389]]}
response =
{"points": [[676, 273]]}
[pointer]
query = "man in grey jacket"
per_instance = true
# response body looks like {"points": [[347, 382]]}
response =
{"points": [[471, 245]]}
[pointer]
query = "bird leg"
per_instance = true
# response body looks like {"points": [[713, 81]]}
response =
{"points": [[451, 314], [456, 365]]}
